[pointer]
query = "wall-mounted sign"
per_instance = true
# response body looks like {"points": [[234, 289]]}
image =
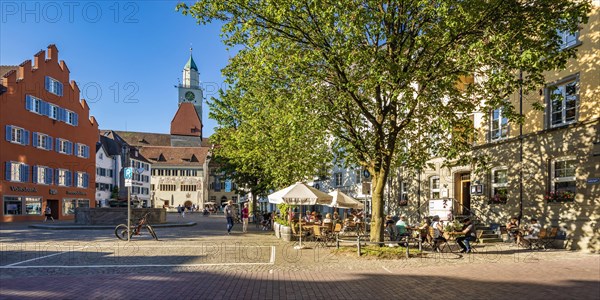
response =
{"points": [[477, 189], [14, 188], [52, 191], [80, 193], [593, 180]]}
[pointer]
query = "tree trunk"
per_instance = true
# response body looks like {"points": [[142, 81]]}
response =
{"points": [[377, 217]]}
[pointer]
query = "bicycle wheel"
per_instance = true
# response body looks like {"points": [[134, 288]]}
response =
{"points": [[151, 230], [121, 232]]}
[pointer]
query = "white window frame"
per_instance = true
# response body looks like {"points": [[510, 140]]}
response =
{"points": [[433, 190], [81, 150], [555, 179], [62, 146], [41, 174], [562, 87], [53, 86], [403, 191], [18, 135], [568, 39], [79, 179], [501, 122], [70, 117], [358, 176], [62, 177], [53, 112], [338, 178], [499, 185], [42, 141], [36, 105], [15, 171]]}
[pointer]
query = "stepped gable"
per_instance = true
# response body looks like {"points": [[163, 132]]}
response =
{"points": [[144, 139], [186, 121], [190, 156]]}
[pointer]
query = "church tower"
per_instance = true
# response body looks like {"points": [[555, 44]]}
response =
{"points": [[189, 89]]}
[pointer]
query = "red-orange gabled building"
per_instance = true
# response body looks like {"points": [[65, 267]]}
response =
{"points": [[186, 121], [46, 152]]}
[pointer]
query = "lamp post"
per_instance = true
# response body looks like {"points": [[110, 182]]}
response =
{"points": [[125, 165]]}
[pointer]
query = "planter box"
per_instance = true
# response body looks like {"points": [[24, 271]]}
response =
{"points": [[276, 229], [286, 233]]}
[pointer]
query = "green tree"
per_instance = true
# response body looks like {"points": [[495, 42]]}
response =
{"points": [[391, 82]]}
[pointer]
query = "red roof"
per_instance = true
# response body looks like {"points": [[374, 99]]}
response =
{"points": [[186, 121], [175, 155]]}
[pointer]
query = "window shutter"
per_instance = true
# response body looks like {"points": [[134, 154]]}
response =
{"points": [[49, 142], [57, 145], [87, 151], [56, 176], [86, 179], [77, 149], [75, 119], [68, 178], [48, 173], [28, 103], [8, 133], [34, 174], [24, 173], [34, 139], [59, 88], [46, 108], [69, 148], [7, 170], [25, 137], [47, 83]]}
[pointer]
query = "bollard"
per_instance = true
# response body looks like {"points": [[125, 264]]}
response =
{"points": [[337, 241], [358, 242]]}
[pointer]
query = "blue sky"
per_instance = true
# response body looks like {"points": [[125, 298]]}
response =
{"points": [[136, 48]]}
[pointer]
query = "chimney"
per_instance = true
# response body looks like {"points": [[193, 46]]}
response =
{"points": [[38, 58], [52, 52]]}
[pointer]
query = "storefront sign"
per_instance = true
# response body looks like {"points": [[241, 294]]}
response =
{"points": [[14, 188], [52, 192], [593, 180], [76, 193]]}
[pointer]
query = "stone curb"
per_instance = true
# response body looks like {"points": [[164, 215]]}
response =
{"points": [[95, 227]]}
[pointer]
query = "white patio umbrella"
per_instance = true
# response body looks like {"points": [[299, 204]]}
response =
{"points": [[341, 200], [300, 194]]}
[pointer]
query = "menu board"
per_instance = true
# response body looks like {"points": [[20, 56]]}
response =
{"points": [[442, 208]]}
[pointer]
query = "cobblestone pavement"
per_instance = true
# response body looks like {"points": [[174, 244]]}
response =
{"points": [[203, 262]]}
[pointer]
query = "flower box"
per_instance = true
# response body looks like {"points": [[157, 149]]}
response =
{"points": [[557, 197]]}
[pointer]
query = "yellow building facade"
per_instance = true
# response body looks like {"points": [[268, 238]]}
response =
{"points": [[547, 168]]}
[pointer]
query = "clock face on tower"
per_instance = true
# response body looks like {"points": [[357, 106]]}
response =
{"points": [[189, 96]]}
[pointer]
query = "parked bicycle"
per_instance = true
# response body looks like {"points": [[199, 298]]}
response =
{"points": [[121, 229]]}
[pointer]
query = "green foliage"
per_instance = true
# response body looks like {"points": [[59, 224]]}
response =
{"points": [[378, 252], [114, 193], [379, 85]]}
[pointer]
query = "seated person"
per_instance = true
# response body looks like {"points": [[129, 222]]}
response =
{"points": [[532, 230], [307, 216], [317, 220], [512, 228], [327, 219], [336, 216], [390, 228], [469, 236], [438, 233], [401, 226]]}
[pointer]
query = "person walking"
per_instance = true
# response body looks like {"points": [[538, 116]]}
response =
{"points": [[228, 212], [245, 218], [48, 213]]}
